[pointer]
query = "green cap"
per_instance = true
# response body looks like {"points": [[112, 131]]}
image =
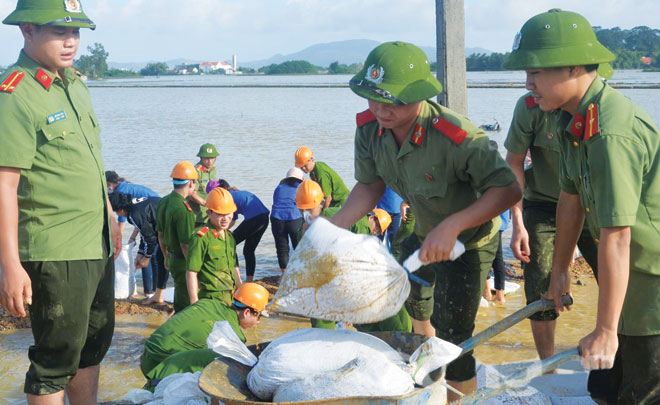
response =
{"points": [[63, 13], [557, 39], [396, 73], [207, 151]]}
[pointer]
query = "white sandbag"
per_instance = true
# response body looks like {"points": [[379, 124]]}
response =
{"points": [[337, 275], [180, 389], [125, 272], [431, 355], [223, 340], [368, 377], [311, 351]]}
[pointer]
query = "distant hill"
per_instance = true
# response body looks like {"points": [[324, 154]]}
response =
{"points": [[344, 52]]}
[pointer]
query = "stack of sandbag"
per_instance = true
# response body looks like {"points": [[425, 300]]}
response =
{"points": [[308, 364], [337, 275]]}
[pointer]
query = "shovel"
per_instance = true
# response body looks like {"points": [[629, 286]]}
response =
{"points": [[521, 377], [543, 304]]}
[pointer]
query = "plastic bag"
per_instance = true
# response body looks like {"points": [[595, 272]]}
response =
{"points": [[336, 275], [431, 355], [125, 272], [308, 352], [223, 340], [362, 376], [177, 389]]}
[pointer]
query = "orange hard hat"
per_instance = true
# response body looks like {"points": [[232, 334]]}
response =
{"points": [[309, 195], [383, 217], [252, 295], [185, 171], [303, 154], [220, 201]]}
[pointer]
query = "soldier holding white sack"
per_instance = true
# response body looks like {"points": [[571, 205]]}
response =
{"points": [[442, 165]]}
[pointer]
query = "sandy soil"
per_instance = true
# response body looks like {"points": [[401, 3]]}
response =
{"points": [[579, 270]]}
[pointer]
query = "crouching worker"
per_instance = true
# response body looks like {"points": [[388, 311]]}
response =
{"points": [[179, 345], [212, 263], [309, 199]]}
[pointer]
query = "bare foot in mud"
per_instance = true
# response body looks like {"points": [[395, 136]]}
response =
{"points": [[499, 297]]}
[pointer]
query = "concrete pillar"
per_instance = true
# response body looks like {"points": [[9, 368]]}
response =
{"points": [[450, 45]]}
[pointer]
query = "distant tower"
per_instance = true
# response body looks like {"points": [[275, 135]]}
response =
{"points": [[234, 63]]}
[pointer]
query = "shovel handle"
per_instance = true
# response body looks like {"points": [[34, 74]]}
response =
{"points": [[521, 377], [543, 304]]}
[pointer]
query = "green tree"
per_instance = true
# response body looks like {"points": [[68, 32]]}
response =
{"points": [[336, 68], [154, 69], [290, 67], [94, 65]]}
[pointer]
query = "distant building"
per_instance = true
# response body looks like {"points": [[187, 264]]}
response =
{"points": [[646, 60], [213, 66]]}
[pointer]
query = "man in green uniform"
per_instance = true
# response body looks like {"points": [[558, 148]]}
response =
{"points": [[57, 229], [533, 235], [609, 153], [212, 263], [190, 328], [309, 199], [176, 223], [442, 165], [333, 186], [205, 172]]}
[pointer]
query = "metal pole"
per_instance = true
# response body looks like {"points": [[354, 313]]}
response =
{"points": [[450, 45]]}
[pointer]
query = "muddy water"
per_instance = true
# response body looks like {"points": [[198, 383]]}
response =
{"points": [[120, 370]]}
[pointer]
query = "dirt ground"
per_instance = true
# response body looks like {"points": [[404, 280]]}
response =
{"points": [[579, 270]]}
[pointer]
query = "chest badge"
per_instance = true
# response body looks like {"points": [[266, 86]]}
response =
{"points": [[550, 135], [429, 178], [58, 116]]}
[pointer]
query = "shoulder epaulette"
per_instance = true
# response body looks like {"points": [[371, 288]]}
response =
{"points": [[77, 72], [187, 206], [11, 82], [203, 231], [364, 118], [451, 131], [530, 102], [592, 122]]}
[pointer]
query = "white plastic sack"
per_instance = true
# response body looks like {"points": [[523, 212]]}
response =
{"points": [[362, 376], [337, 275], [431, 355], [180, 389], [223, 340], [311, 351], [138, 396], [125, 272]]}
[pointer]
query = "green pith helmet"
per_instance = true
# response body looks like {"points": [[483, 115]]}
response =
{"points": [[396, 73], [557, 39], [62, 13], [207, 151]]}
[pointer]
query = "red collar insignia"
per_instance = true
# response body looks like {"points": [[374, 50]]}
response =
{"points": [[44, 78], [418, 135], [11, 82], [187, 206], [529, 102], [216, 233], [577, 128], [380, 131]]}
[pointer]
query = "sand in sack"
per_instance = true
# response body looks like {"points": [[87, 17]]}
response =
{"points": [[337, 275]]}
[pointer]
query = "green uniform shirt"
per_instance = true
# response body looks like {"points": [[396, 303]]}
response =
{"points": [[610, 157], [187, 330], [203, 177], [535, 130], [214, 259], [330, 183], [49, 131], [436, 175], [176, 221]]}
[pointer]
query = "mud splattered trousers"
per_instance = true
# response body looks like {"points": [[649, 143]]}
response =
{"points": [[452, 300], [73, 319]]}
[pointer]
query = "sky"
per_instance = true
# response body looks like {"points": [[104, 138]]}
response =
{"points": [[213, 30]]}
